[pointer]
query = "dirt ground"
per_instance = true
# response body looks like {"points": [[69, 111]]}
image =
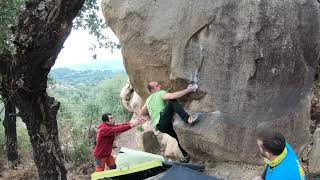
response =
{"points": [[225, 170], [27, 170]]}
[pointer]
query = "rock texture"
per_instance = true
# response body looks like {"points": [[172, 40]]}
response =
{"points": [[130, 99], [254, 62], [314, 160], [150, 142], [171, 150]]}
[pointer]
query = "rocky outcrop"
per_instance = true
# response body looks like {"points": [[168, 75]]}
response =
{"points": [[150, 142], [314, 160], [171, 150], [130, 99], [253, 60]]}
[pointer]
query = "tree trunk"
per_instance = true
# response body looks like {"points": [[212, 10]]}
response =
{"points": [[39, 114], [9, 124], [39, 36]]}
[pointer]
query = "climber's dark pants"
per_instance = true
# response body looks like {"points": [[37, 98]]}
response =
{"points": [[165, 124]]}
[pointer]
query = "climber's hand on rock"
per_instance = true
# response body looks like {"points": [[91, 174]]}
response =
{"points": [[192, 87]]}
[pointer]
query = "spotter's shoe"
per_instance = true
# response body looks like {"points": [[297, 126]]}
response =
{"points": [[185, 159]]}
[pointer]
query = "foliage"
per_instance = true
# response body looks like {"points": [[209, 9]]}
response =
{"points": [[80, 152], [80, 111], [140, 128], [23, 139], [82, 104], [82, 99], [88, 19], [50, 80], [75, 77], [8, 15], [108, 92]]}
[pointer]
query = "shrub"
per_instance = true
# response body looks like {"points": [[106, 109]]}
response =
{"points": [[23, 139]]}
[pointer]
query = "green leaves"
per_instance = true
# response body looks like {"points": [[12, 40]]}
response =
{"points": [[108, 92], [9, 11], [82, 105], [82, 101], [92, 110], [89, 19]]}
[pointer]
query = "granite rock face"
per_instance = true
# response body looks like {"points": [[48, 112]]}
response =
{"points": [[254, 62], [314, 161]]}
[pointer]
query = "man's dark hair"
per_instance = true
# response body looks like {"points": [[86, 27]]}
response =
{"points": [[149, 87], [105, 117], [274, 142]]}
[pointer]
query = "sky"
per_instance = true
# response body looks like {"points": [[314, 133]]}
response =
{"points": [[76, 50]]}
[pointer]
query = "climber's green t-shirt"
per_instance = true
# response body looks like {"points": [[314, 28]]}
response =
{"points": [[155, 105]]}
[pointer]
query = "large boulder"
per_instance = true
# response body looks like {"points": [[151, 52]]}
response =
{"points": [[150, 142], [253, 60], [172, 150], [314, 160], [130, 99]]}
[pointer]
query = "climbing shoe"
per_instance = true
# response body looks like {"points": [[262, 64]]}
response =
{"points": [[196, 118]]}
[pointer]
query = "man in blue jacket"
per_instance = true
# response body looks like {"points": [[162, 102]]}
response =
{"points": [[282, 162]]}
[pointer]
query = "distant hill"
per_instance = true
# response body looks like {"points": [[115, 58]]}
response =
{"points": [[89, 73], [99, 64], [81, 77], [114, 65]]}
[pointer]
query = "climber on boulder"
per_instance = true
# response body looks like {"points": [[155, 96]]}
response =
{"points": [[161, 106]]}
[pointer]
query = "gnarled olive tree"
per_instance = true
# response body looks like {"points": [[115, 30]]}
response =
{"points": [[39, 36]]}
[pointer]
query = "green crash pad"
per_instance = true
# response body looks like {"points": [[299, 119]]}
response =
{"points": [[129, 157], [129, 162]]}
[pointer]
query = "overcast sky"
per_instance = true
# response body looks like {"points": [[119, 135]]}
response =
{"points": [[76, 50]]}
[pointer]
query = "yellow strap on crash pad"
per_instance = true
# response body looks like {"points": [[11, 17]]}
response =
{"points": [[126, 170]]}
